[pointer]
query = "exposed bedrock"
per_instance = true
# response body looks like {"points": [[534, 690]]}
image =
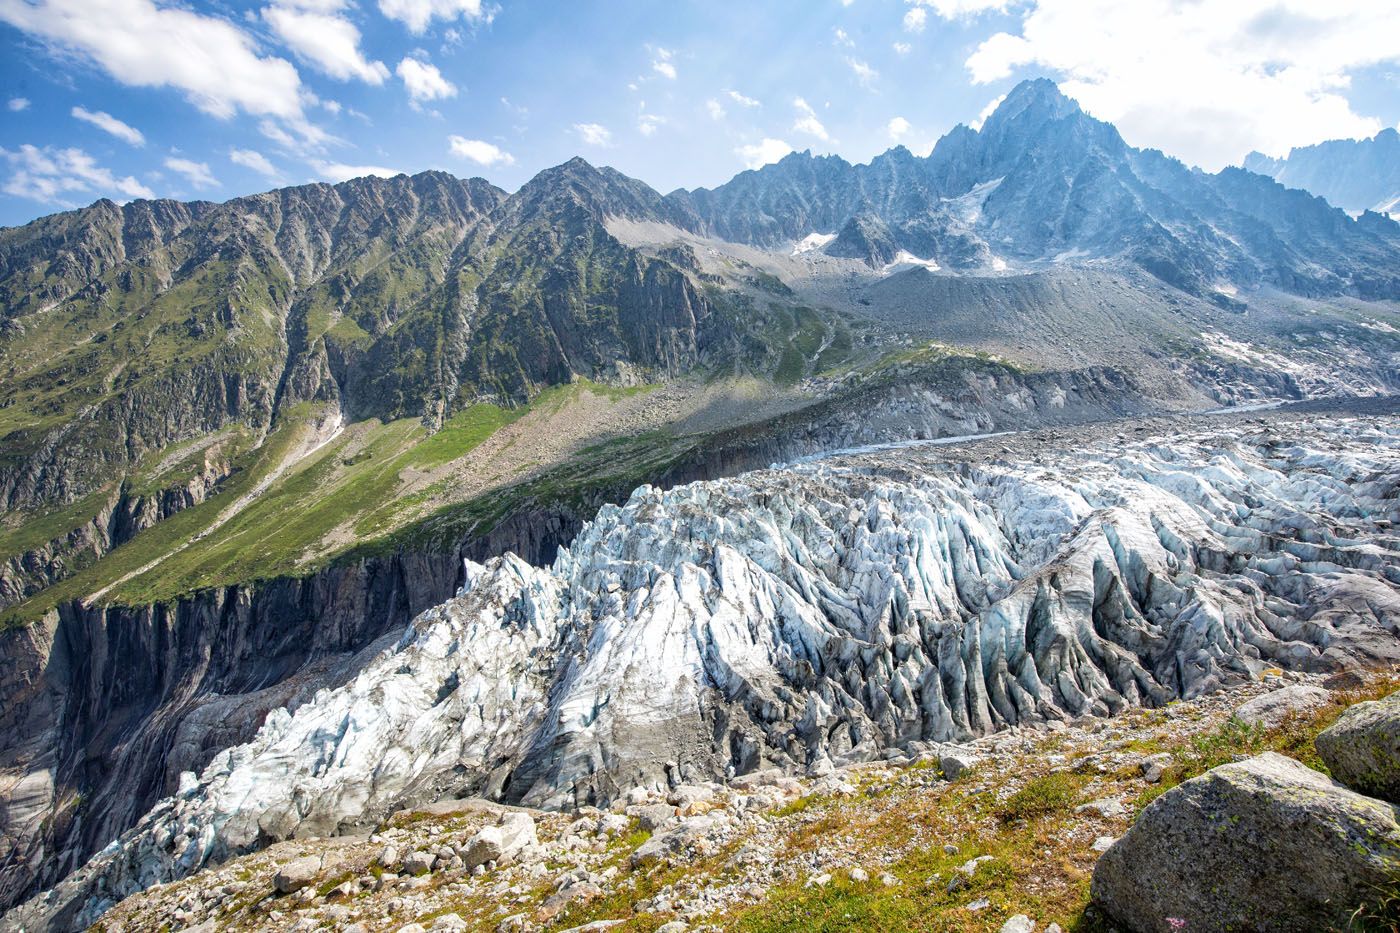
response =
{"points": [[825, 611]]}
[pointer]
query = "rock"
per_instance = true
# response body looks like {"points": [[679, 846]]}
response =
{"points": [[506, 841], [1107, 808], [1345, 680], [654, 816], [859, 875], [980, 904], [969, 868], [694, 831], [418, 863], [1271, 709], [1263, 844], [686, 796], [1020, 923], [449, 922], [1362, 748], [1153, 767], [673, 926], [296, 874], [888, 880], [953, 764], [818, 881], [1104, 843], [412, 928]]}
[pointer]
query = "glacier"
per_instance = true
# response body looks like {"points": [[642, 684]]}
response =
{"points": [[822, 613]]}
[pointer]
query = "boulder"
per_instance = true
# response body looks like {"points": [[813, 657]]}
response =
{"points": [[652, 817], [296, 874], [1272, 709], [507, 840], [418, 863], [954, 763], [1362, 748], [1263, 844]]}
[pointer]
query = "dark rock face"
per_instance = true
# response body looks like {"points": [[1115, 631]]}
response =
{"points": [[114, 703], [1261, 845]]}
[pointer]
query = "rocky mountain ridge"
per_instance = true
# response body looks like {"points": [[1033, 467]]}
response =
{"points": [[1356, 175]]}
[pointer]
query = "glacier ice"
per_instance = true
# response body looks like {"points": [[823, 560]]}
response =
{"points": [[830, 609]]}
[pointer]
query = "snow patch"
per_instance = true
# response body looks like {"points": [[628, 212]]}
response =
{"points": [[811, 242], [904, 258]]}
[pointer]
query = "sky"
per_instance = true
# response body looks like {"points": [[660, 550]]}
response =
{"points": [[210, 99]]}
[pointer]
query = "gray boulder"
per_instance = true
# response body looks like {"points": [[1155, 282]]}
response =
{"points": [[296, 874], [1260, 845], [510, 838], [1362, 748], [1272, 709]]}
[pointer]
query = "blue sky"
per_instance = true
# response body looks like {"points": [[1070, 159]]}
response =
{"points": [[138, 98]]}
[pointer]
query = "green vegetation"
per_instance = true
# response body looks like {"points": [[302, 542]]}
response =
{"points": [[1041, 796]]}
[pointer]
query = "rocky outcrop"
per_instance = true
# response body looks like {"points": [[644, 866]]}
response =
{"points": [[1362, 748], [825, 612], [1274, 709], [1266, 844], [120, 518]]}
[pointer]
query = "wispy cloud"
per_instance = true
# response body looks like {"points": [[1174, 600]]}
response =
{"points": [[251, 158], [863, 72], [807, 121], [110, 124]]}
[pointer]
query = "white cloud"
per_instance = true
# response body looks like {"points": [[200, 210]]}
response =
{"points": [[915, 19], [479, 151], [843, 38], [339, 171], [649, 123], [897, 128], [1205, 82], [661, 63], [593, 134], [197, 173], [110, 124], [17, 104], [715, 109], [328, 41], [901, 48], [213, 62], [741, 100], [48, 174], [807, 121], [251, 158], [417, 14], [987, 111], [957, 9], [423, 80], [863, 72], [760, 154]]}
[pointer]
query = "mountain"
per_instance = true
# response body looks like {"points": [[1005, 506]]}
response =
{"points": [[1354, 174], [1042, 182], [243, 443]]}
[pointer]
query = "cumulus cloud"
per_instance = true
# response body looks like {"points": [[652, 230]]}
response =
{"points": [[323, 38], [17, 104], [338, 171], [593, 134], [196, 173], [915, 19], [901, 48], [423, 81], [251, 158], [1204, 82], [807, 121], [417, 14], [741, 100], [715, 109], [110, 124], [897, 128], [662, 64], [215, 64], [479, 151], [762, 153], [48, 174]]}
